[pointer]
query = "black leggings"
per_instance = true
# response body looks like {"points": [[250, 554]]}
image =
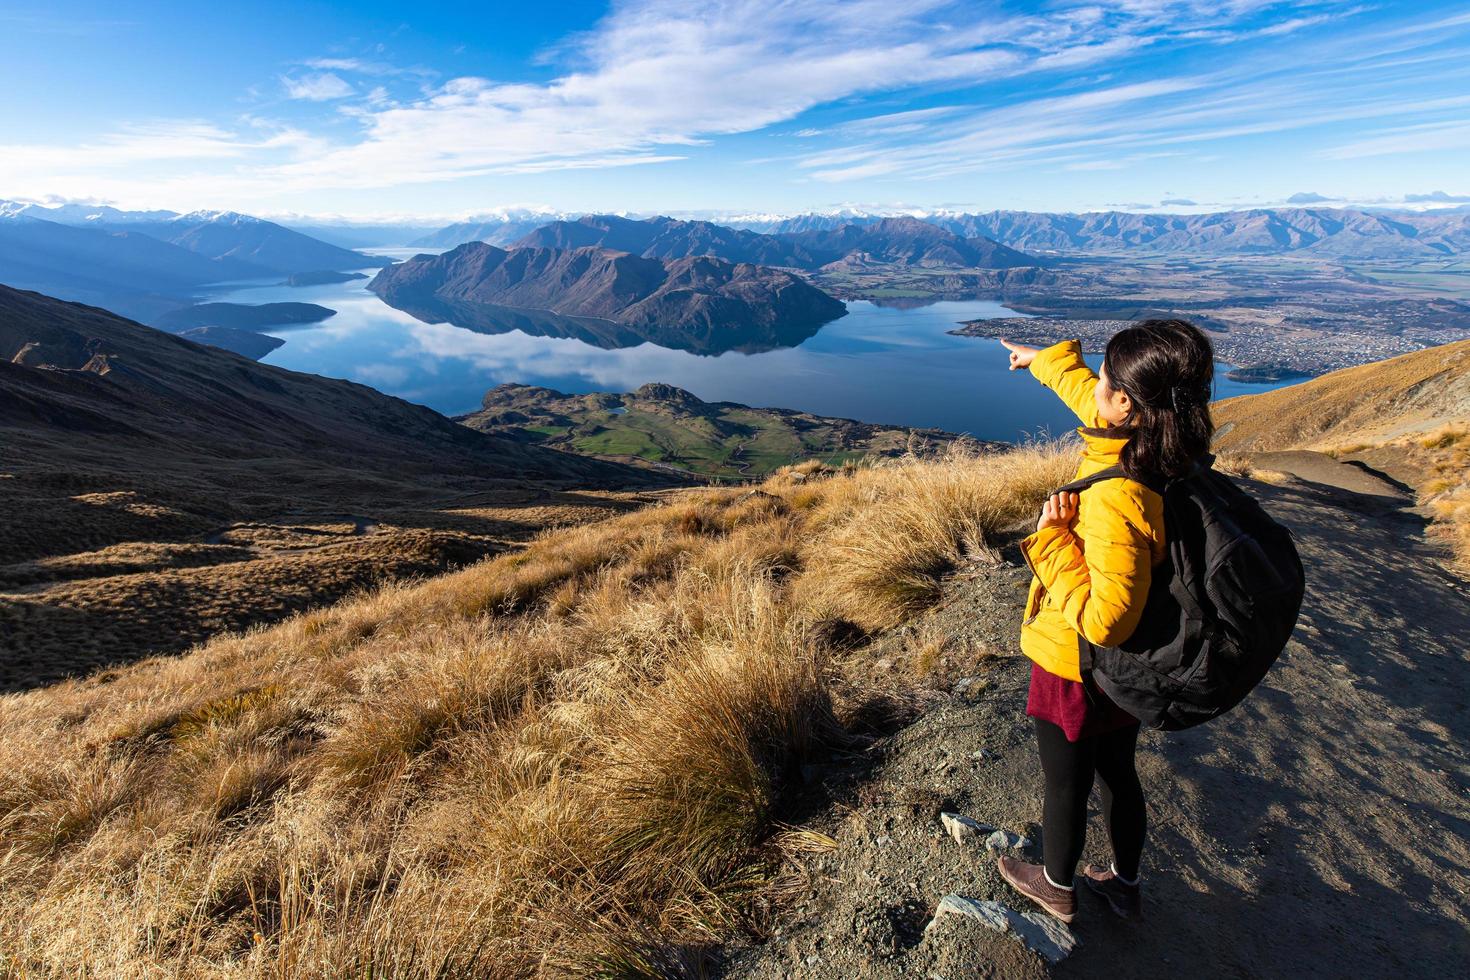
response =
{"points": [[1069, 768]]}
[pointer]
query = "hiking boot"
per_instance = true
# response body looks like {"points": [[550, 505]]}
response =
{"points": [[1124, 899], [1030, 880]]}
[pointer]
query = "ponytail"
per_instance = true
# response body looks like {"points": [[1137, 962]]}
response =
{"points": [[1167, 369]]}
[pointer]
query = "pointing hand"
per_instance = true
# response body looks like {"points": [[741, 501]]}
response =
{"points": [[1021, 355]]}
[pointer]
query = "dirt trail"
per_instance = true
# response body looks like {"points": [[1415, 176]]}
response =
{"points": [[1320, 829]]}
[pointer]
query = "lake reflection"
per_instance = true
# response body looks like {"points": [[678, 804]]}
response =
{"points": [[888, 365], [491, 318]]}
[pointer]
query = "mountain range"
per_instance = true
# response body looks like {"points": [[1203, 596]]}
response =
{"points": [[899, 241], [695, 303], [144, 263], [1333, 233]]}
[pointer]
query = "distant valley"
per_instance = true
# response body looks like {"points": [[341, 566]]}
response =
{"points": [[1301, 290], [1286, 291]]}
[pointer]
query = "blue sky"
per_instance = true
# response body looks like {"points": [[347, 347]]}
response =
{"points": [[781, 106]]}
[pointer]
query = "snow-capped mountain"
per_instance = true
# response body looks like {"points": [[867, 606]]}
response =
{"points": [[80, 214]]}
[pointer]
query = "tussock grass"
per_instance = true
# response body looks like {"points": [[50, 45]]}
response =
{"points": [[566, 761], [1447, 492], [895, 530], [1239, 464]]}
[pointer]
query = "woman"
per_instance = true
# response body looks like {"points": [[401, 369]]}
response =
{"points": [[1092, 558]]}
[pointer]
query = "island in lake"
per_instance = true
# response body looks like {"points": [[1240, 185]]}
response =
{"points": [[671, 428], [614, 299], [241, 316]]}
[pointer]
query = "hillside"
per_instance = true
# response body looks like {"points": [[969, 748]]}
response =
{"points": [[561, 761], [713, 738], [1408, 395], [1407, 418], [226, 234], [695, 303], [1314, 826], [670, 427], [150, 480]]}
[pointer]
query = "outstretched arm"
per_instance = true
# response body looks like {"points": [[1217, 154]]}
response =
{"points": [[1060, 367]]}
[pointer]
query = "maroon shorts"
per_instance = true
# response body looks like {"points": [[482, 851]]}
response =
{"points": [[1079, 710]]}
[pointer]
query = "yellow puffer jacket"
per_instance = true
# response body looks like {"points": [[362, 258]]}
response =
{"points": [[1090, 579]]}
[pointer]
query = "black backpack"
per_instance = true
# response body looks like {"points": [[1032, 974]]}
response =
{"points": [[1220, 606]]}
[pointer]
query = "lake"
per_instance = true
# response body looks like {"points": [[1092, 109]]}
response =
{"points": [[877, 364]]}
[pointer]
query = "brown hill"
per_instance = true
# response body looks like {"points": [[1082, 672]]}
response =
{"points": [[128, 456], [1402, 396]]}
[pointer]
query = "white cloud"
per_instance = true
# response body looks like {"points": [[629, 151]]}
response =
{"points": [[1407, 139], [656, 79], [318, 87]]}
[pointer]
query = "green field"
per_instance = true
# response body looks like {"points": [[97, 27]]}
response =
{"points": [[723, 441]]}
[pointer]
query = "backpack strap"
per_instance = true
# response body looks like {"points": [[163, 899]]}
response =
{"points": [[1156, 484], [1082, 483]]}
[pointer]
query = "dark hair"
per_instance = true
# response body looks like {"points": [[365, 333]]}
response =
{"points": [[1167, 368]]}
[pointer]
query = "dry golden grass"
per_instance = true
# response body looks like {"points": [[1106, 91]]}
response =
{"points": [[1415, 406], [1403, 396], [79, 624], [1447, 490], [1240, 464], [566, 761]]}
